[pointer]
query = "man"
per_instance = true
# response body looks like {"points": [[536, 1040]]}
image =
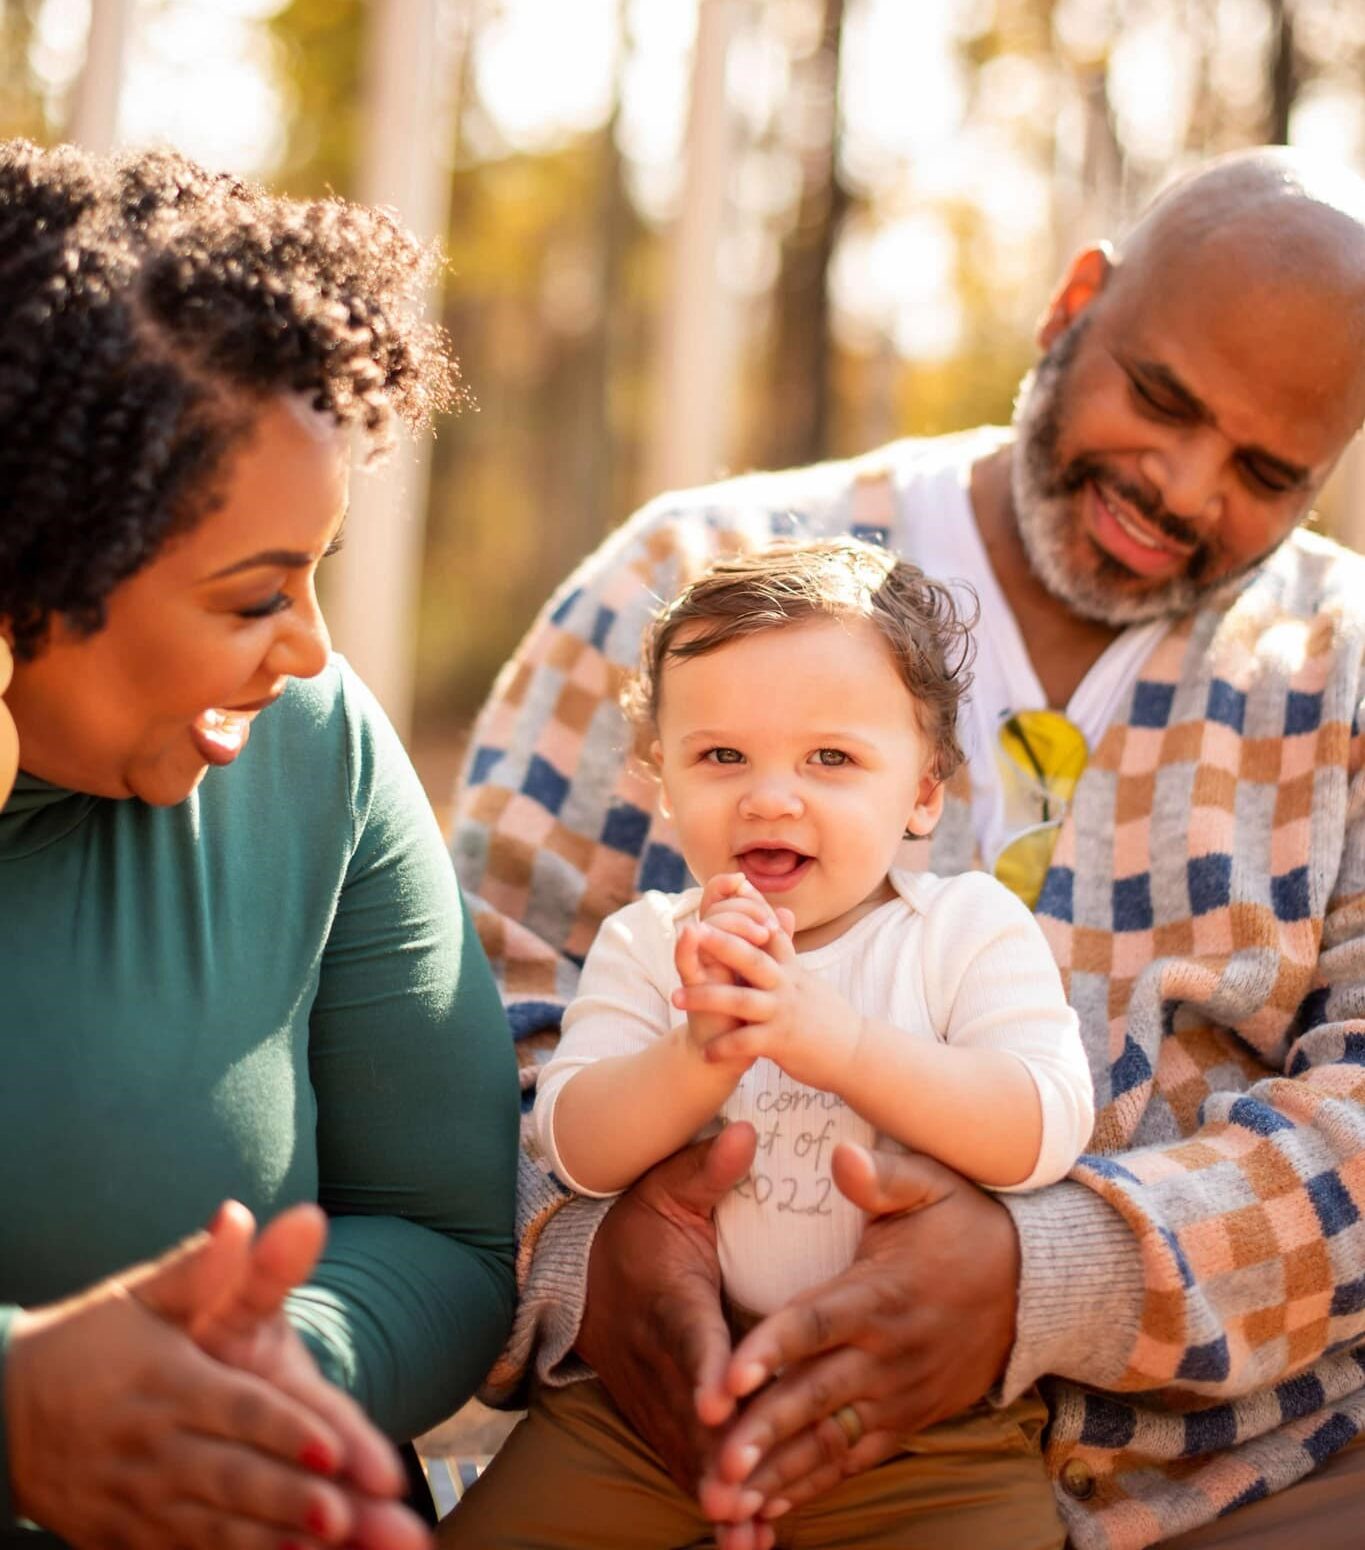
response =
{"points": [[1192, 1299]]}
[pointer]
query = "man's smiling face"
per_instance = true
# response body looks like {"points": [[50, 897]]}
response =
{"points": [[1187, 411]]}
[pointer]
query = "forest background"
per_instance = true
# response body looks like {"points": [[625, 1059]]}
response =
{"points": [[825, 224]]}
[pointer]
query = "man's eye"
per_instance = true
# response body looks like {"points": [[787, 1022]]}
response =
{"points": [[724, 756], [272, 605], [1266, 479], [1149, 401], [831, 758]]}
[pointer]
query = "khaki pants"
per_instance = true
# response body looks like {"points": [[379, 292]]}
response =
{"points": [[573, 1474]]}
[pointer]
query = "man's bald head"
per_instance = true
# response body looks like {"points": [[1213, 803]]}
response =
{"points": [[1198, 386], [1272, 220]]}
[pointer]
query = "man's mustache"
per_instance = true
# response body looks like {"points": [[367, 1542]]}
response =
{"points": [[1087, 469]]}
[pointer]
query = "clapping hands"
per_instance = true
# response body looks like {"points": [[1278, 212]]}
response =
{"points": [[746, 994]]}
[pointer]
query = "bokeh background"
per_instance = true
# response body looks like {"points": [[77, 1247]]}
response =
{"points": [[685, 237]]}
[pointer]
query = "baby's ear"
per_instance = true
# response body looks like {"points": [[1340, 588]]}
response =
{"points": [[928, 808], [656, 764]]}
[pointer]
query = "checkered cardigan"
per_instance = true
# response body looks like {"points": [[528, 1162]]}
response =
{"points": [[1193, 1297]]}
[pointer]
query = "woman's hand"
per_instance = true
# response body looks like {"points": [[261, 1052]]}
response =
{"points": [[885, 1338], [246, 1328], [123, 1431]]}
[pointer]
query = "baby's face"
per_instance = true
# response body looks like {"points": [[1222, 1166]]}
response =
{"points": [[795, 756], [9, 736]]}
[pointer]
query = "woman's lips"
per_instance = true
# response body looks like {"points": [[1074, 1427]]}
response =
{"points": [[220, 735], [774, 869], [1133, 541]]}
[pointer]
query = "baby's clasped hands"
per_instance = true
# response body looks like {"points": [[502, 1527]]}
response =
{"points": [[746, 994]]}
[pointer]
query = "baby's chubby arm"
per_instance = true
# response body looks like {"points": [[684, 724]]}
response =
{"points": [[617, 1117], [916, 1090]]}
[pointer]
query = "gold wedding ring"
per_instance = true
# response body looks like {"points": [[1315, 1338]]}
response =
{"points": [[847, 1420]]}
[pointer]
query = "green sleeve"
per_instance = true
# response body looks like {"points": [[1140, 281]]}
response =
{"points": [[412, 1067]]}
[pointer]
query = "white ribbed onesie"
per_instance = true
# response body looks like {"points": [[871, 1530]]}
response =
{"points": [[957, 959]]}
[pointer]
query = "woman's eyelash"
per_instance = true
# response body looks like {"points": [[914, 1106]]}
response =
{"points": [[272, 605]]}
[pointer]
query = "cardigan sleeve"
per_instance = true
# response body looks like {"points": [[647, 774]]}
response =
{"points": [[416, 1113], [1232, 1258]]}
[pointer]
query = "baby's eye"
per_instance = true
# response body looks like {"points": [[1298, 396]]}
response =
{"points": [[831, 758], [724, 756]]}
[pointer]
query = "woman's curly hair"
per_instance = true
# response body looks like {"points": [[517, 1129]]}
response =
{"points": [[147, 309]]}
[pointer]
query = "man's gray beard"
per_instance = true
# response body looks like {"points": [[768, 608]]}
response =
{"points": [[1047, 509]]}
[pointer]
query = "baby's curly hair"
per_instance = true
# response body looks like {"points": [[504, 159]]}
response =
{"points": [[792, 583], [149, 309]]}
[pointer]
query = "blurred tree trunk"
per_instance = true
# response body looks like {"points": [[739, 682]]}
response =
{"points": [[1284, 73], [93, 118], [696, 343], [799, 384], [21, 107]]}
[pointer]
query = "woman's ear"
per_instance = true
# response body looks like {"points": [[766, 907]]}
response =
{"points": [[9, 733], [928, 808]]}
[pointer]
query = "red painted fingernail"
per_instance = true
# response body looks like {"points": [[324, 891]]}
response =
{"points": [[317, 1521], [317, 1457]]}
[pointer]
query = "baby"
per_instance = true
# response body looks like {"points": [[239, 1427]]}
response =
{"points": [[802, 706]]}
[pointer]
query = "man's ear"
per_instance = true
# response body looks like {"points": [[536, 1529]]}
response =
{"points": [[1086, 276], [928, 808]]}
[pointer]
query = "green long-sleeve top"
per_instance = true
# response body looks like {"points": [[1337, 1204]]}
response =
{"points": [[270, 992]]}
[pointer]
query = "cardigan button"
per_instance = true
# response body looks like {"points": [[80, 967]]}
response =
{"points": [[1078, 1480]]}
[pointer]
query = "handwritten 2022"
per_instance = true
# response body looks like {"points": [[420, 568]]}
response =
{"points": [[809, 1146]]}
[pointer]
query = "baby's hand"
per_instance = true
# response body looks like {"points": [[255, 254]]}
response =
{"points": [[729, 903], [769, 1005]]}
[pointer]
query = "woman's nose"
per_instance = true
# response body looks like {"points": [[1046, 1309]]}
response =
{"points": [[303, 646]]}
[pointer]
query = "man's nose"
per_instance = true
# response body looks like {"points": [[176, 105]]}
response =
{"points": [[1188, 475]]}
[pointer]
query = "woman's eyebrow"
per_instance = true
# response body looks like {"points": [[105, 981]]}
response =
{"points": [[282, 559], [276, 559]]}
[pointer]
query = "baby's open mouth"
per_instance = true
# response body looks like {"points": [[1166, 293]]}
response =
{"points": [[774, 868]]}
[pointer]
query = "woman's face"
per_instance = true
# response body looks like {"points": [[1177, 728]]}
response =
{"points": [[202, 639]]}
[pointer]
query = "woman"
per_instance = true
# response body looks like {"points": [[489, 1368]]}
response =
{"points": [[233, 962]]}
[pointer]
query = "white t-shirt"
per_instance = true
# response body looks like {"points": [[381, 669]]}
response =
{"points": [[958, 959], [935, 528]]}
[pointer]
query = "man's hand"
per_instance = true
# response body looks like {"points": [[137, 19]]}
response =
{"points": [[653, 1328], [919, 1327]]}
